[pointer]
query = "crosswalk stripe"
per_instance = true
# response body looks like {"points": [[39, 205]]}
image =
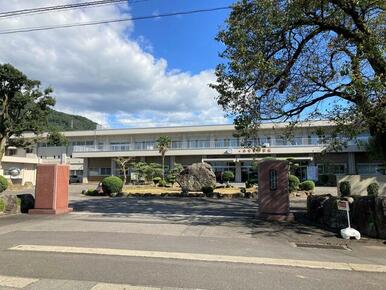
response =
{"points": [[16, 282], [206, 258]]}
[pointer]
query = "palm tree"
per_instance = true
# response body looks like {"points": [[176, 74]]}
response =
{"points": [[163, 144]]}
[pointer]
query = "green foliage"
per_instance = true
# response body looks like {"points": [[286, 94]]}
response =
{"points": [[228, 176], [65, 122], [163, 144], [373, 189], [90, 192], [56, 138], [2, 205], [162, 183], [147, 171], [3, 183], [207, 190], [344, 188], [293, 183], [171, 179], [23, 106], [177, 168], [156, 180], [283, 59], [112, 184], [307, 185]]}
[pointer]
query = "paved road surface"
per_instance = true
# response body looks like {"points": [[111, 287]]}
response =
{"points": [[168, 243]]}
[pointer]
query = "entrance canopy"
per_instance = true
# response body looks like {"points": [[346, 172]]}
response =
{"points": [[308, 158]]}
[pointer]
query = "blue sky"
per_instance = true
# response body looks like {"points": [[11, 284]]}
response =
{"points": [[186, 42]]}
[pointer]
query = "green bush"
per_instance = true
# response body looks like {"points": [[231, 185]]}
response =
{"points": [[293, 183], [162, 183], [156, 180], [307, 185], [90, 192], [112, 184], [3, 183], [373, 189], [344, 188], [207, 190], [2, 205], [327, 180], [228, 176], [171, 178]]}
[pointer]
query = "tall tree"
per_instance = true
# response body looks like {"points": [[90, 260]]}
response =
{"points": [[23, 105], [305, 59], [56, 138], [124, 164], [163, 144]]}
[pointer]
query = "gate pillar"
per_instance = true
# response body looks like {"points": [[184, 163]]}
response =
{"points": [[273, 195], [51, 191]]}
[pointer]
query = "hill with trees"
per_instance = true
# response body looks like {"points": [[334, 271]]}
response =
{"points": [[65, 122]]}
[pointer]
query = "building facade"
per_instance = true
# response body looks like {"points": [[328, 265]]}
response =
{"points": [[92, 154]]}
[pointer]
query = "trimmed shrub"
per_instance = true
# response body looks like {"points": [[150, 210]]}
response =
{"points": [[372, 189], [171, 179], [162, 183], [112, 184], [156, 180], [326, 180], [293, 183], [344, 188], [3, 183], [228, 176], [307, 185], [207, 190]]}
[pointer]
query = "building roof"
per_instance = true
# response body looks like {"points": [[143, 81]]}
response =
{"points": [[179, 129]]}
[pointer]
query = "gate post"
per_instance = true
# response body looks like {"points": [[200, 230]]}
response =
{"points": [[51, 191], [273, 194]]}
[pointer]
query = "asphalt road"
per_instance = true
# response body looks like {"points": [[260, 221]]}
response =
{"points": [[178, 243]]}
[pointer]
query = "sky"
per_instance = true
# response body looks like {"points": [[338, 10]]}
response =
{"points": [[142, 73]]}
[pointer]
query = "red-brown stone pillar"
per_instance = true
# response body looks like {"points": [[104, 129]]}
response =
{"points": [[51, 191], [273, 197]]}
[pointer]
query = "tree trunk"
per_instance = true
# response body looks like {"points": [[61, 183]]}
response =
{"points": [[124, 176], [2, 149], [163, 166]]}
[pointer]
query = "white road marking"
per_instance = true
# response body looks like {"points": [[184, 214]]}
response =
{"points": [[16, 282], [206, 258], [107, 286]]}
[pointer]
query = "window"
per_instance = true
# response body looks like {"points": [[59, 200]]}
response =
{"points": [[370, 168], [337, 168], [105, 171]]}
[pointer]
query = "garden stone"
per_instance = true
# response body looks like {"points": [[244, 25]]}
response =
{"points": [[196, 176], [11, 204]]}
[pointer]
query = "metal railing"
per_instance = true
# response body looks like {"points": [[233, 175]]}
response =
{"points": [[213, 144]]}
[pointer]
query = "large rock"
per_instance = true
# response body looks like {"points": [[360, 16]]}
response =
{"points": [[196, 176]]}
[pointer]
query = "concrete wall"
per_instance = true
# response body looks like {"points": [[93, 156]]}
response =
{"points": [[359, 183]]}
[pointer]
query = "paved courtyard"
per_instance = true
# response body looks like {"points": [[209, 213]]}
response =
{"points": [[188, 243]]}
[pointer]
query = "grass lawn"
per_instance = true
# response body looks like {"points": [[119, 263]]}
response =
{"points": [[154, 190]]}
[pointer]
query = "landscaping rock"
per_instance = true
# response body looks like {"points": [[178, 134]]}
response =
{"points": [[196, 176], [380, 216], [27, 202], [11, 205]]}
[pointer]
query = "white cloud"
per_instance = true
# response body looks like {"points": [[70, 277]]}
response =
{"points": [[102, 73]]}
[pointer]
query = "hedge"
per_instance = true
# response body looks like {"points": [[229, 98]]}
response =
{"points": [[3, 183], [293, 183], [112, 184]]}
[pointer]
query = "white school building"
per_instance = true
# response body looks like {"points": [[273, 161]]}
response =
{"points": [[91, 154]]}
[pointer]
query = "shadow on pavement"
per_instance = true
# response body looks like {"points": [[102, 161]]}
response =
{"points": [[239, 213]]}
